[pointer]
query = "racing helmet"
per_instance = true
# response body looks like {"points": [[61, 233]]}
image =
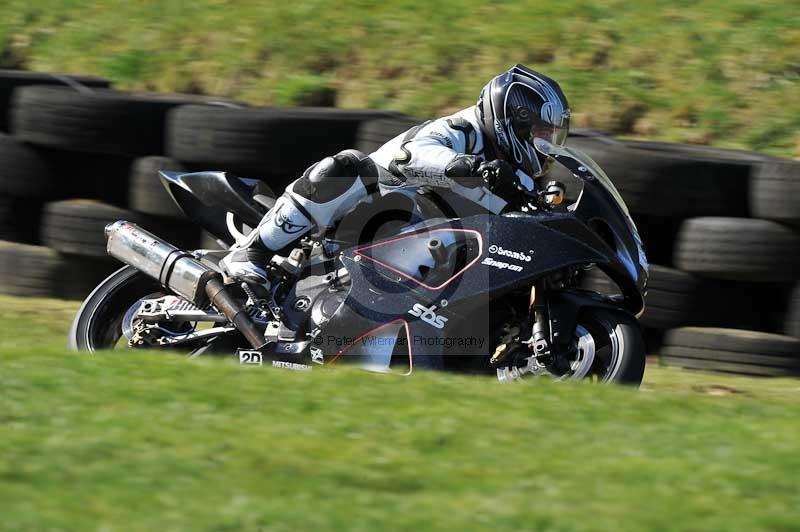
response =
{"points": [[518, 106]]}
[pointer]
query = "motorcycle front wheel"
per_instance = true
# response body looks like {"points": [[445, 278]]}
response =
{"points": [[610, 348], [607, 348]]}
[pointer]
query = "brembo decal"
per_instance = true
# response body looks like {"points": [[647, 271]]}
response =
{"points": [[518, 255]]}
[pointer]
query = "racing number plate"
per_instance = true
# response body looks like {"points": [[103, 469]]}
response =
{"points": [[250, 358]]}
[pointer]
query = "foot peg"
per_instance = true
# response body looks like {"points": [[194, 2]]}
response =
{"points": [[292, 265]]}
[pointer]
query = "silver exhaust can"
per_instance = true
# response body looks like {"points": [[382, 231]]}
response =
{"points": [[176, 269]]}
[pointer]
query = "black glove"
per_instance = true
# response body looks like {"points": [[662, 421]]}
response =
{"points": [[498, 176], [463, 169]]}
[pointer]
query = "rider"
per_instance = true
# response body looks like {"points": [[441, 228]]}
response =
{"points": [[493, 138]]}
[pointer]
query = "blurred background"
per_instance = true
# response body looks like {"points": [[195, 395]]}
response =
{"points": [[721, 72]]}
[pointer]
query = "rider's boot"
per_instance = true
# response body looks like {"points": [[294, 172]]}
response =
{"points": [[311, 204]]}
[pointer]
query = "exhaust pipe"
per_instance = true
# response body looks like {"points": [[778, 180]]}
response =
{"points": [[180, 272]]}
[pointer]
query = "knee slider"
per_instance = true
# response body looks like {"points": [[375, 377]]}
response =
{"points": [[330, 177], [360, 165]]}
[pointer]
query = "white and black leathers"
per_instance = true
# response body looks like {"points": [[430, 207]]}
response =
{"points": [[417, 158], [421, 155]]}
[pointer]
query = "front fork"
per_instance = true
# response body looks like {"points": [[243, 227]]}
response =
{"points": [[550, 335], [517, 357], [540, 329]]}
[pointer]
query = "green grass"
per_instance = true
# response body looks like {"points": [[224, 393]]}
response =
{"points": [[149, 442], [722, 72]]}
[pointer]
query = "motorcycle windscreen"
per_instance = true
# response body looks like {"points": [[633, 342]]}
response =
{"points": [[582, 159], [552, 150], [385, 349]]}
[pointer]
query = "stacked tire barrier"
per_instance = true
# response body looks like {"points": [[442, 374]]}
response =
{"points": [[273, 144], [721, 227], [76, 155]]}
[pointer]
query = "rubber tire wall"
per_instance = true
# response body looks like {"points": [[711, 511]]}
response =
{"points": [[373, 134], [792, 321], [19, 219], [101, 121], [732, 350], [25, 171], [261, 143], [147, 194], [33, 172], [738, 249], [674, 180], [77, 227], [36, 271], [775, 191], [10, 80], [672, 295]]}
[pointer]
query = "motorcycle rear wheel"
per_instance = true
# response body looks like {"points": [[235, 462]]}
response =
{"points": [[98, 324]]}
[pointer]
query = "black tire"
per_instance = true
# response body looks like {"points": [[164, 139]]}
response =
{"points": [[19, 219], [720, 304], [732, 350], [262, 142], [101, 121], [147, 193], [674, 180], [658, 236], [98, 324], [739, 249], [677, 298], [792, 320], [36, 271], [372, 134], [13, 79], [76, 227], [672, 295], [775, 191], [32, 172], [726, 367], [97, 176], [609, 348], [26, 172], [626, 343]]}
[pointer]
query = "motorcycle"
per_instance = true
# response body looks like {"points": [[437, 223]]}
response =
{"points": [[438, 288]]}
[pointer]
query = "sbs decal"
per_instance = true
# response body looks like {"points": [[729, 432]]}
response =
{"points": [[428, 315]]}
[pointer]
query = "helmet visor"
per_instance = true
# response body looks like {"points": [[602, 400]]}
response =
{"points": [[553, 133]]}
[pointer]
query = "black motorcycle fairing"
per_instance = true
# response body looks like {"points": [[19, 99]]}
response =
{"points": [[517, 246], [601, 207], [565, 306], [512, 252], [207, 197]]}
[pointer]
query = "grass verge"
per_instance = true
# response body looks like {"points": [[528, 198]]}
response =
{"points": [[150, 442]]}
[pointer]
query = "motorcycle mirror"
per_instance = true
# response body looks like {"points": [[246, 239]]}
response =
{"points": [[554, 193]]}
